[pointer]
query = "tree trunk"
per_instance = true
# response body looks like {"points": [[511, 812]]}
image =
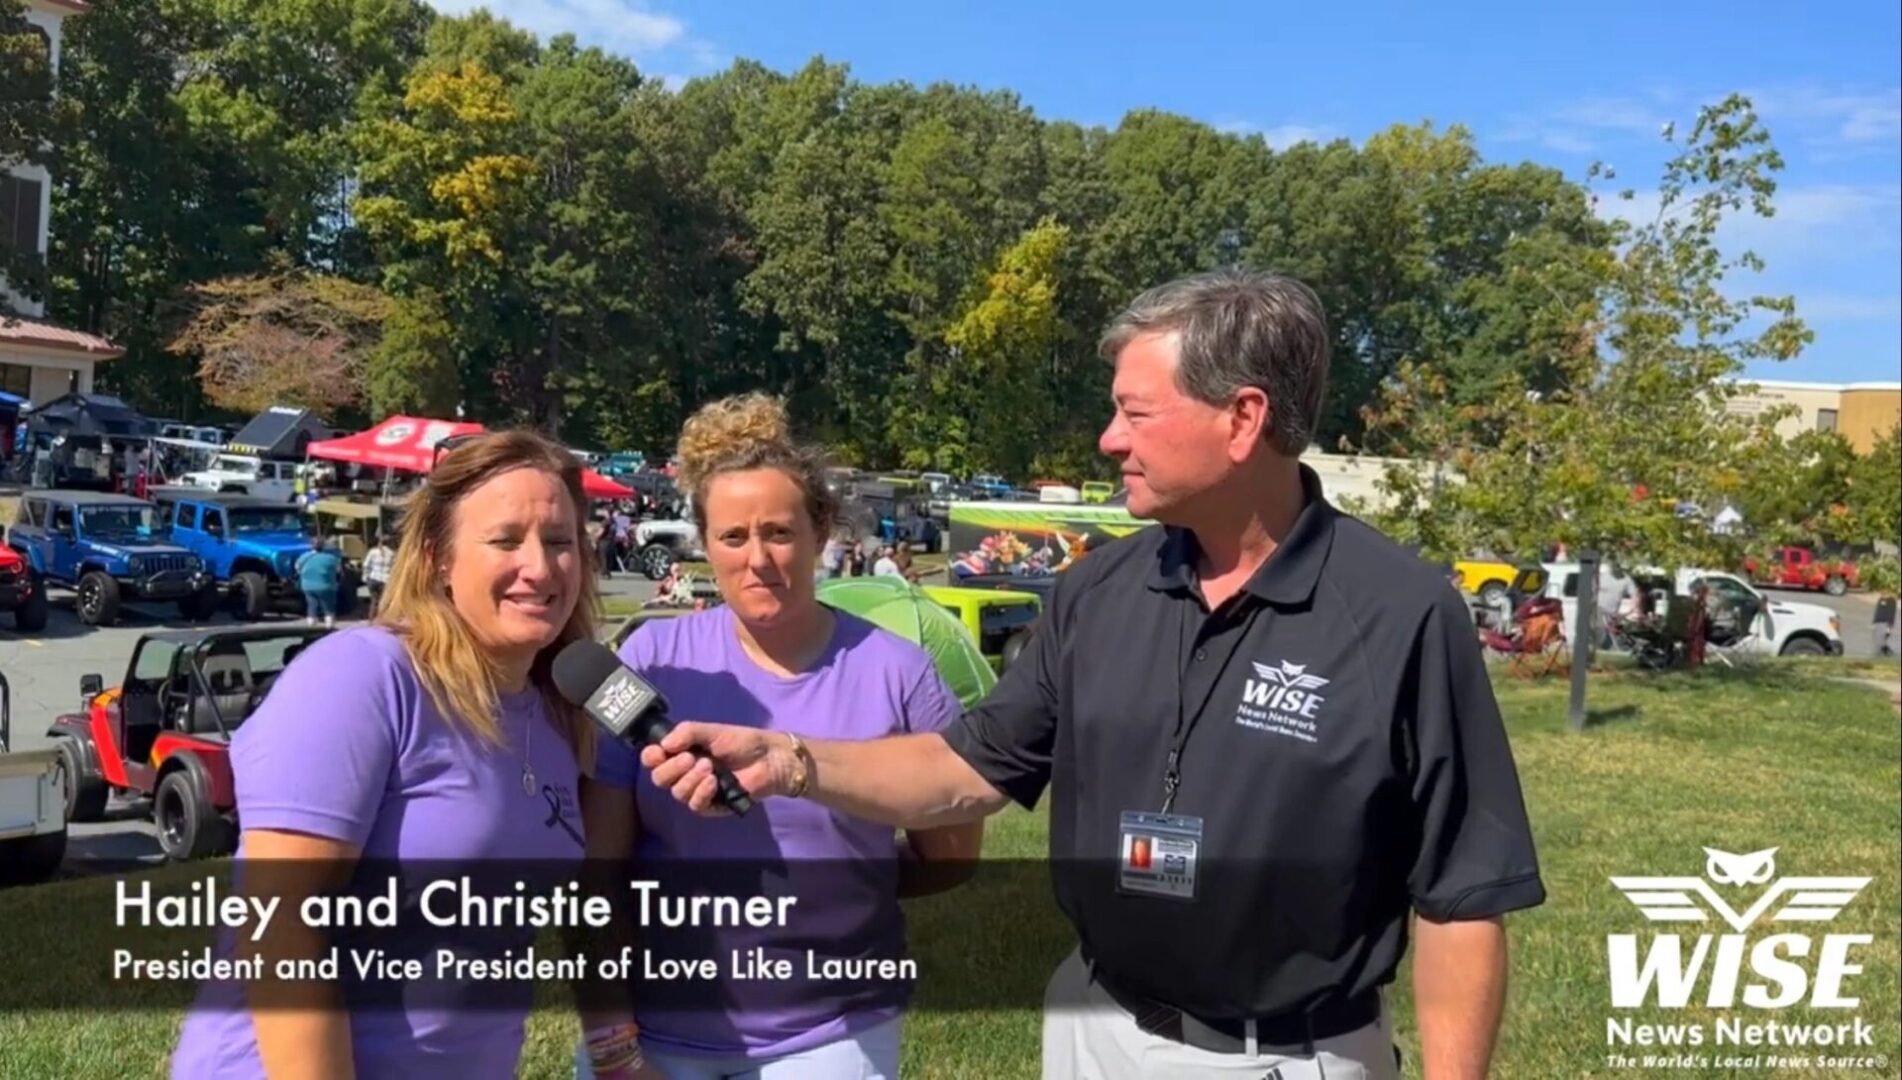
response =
{"points": [[548, 387]]}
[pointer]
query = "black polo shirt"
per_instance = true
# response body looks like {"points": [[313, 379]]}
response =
{"points": [[1346, 757]]}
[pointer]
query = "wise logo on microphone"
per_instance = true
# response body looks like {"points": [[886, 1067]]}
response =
{"points": [[620, 700]]}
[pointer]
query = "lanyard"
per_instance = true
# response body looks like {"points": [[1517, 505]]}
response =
{"points": [[1185, 721]]}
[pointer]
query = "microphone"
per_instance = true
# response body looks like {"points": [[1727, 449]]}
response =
{"points": [[588, 674]]}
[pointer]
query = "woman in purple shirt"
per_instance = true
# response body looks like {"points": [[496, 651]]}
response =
{"points": [[434, 736], [775, 657]]}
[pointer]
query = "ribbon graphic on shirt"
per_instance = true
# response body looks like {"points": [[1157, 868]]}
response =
{"points": [[554, 814]]}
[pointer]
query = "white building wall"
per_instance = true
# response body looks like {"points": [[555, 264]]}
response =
{"points": [[53, 371], [50, 20], [8, 298]]}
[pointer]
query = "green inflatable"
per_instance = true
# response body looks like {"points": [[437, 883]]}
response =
{"points": [[903, 608]]}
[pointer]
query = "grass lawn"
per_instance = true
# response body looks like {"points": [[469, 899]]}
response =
{"points": [[1775, 757]]}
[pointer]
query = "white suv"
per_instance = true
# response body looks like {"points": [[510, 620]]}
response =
{"points": [[276, 480], [1779, 627]]}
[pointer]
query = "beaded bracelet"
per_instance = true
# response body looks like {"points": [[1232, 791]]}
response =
{"points": [[616, 1047]]}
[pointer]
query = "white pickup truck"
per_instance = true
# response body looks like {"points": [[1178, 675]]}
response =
{"points": [[32, 806], [1778, 627], [274, 480]]}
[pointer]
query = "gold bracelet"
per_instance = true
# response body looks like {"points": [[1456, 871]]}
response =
{"points": [[802, 778]]}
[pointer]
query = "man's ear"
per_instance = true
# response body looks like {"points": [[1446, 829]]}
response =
{"points": [[1250, 420]]}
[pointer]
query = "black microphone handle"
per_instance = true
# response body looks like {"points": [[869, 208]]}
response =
{"points": [[655, 725]]}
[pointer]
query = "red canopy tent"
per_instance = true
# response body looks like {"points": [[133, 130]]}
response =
{"points": [[408, 443]]}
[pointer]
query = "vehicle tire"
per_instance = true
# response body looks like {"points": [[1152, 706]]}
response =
{"points": [[657, 561], [1493, 593], [30, 860], [199, 605], [85, 790], [1803, 646], [1014, 646], [30, 616], [252, 595], [98, 599], [188, 827], [1835, 585]]}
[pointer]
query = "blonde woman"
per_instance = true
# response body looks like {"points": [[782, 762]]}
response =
{"points": [[434, 735]]}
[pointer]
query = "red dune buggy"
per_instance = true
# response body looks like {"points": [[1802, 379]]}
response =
{"points": [[164, 733]]}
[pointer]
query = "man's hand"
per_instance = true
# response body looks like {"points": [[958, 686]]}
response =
{"points": [[907, 781], [762, 761]]}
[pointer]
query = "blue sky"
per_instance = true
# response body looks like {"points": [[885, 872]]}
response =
{"points": [[1562, 85]]}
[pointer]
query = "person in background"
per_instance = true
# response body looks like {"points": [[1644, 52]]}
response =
{"points": [[894, 560], [1618, 598], [774, 657], [832, 559], [319, 571], [622, 525], [885, 565], [601, 546], [433, 738], [377, 563]]}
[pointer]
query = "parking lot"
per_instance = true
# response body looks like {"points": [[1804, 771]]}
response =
{"points": [[43, 671], [1857, 611]]}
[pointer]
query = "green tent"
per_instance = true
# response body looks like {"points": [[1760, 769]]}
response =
{"points": [[903, 608]]}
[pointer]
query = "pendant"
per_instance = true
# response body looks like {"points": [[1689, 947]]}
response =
{"points": [[528, 780]]}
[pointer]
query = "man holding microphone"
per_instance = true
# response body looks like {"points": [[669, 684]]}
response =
{"points": [[1271, 745]]}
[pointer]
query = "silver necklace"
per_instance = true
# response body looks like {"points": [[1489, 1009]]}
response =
{"points": [[529, 787]]}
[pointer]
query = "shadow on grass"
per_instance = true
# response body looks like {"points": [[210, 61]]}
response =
{"points": [[1596, 718]]}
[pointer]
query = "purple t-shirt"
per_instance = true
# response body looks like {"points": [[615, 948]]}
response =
{"points": [[349, 747], [868, 683]]}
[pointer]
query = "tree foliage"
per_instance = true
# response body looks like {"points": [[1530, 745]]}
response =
{"points": [[288, 338], [550, 237], [26, 93], [1632, 452], [570, 245]]}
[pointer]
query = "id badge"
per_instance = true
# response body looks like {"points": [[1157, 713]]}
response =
{"points": [[1159, 854]]}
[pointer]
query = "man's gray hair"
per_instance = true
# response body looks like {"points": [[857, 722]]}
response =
{"points": [[1236, 328]]}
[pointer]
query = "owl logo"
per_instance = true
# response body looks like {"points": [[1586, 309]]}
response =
{"points": [[1692, 899], [1289, 675], [1752, 869]]}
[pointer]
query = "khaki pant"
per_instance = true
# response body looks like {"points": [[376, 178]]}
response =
{"points": [[1088, 1036]]}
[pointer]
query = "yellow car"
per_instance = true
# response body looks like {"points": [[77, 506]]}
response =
{"points": [[1488, 579], [998, 619], [1096, 491]]}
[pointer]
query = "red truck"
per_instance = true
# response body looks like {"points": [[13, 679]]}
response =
{"points": [[1799, 568]]}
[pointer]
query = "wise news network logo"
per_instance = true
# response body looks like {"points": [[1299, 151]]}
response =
{"points": [[1728, 967]]}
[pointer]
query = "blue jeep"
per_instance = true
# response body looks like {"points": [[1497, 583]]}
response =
{"points": [[106, 548], [249, 544]]}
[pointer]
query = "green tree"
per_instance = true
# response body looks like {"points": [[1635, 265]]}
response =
{"points": [[1637, 432], [515, 203], [1874, 493], [995, 389], [201, 139], [1796, 490]]}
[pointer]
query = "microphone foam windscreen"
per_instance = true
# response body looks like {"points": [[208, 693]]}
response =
{"points": [[581, 668]]}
